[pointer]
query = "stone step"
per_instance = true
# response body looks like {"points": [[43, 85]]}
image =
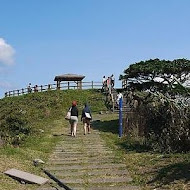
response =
{"points": [[73, 146], [115, 187], [73, 162], [108, 172], [80, 156], [84, 152], [85, 167], [87, 144], [83, 161], [73, 181], [95, 181], [91, 159], [98, 180], [89, 141], [108, 179], [89, 173]]}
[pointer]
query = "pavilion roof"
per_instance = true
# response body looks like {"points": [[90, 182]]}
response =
{"points": [[69, 77]]}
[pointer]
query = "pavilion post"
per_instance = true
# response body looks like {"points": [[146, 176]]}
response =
{"points": [[68, 86], [58, 85]]}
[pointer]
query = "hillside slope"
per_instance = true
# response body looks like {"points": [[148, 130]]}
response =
{"points": [[20, 116]]}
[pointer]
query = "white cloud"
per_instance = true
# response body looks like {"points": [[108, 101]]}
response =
{"points": [[6, 53]]}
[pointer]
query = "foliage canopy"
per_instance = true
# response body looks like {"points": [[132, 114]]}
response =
{"points": [[165, 108], [155, 74]]}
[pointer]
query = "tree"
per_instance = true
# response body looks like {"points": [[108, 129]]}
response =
{"points": [[161, 89], [158, 75]]}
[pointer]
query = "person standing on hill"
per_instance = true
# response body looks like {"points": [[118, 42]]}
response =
{"points": [[109, 84], [29, 88], [112, 80], [103, 83], [36, 88], [74, 118], [86, 117]]}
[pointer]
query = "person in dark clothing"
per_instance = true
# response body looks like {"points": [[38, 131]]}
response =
{"points": [[86, 117], [112, 80], [29, 88], [74, 118], [36, 88]]}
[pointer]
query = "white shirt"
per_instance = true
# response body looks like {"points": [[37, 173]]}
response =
{"points": [[119, 96]]}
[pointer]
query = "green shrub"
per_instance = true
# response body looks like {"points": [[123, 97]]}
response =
{"points": [[14, 128]]}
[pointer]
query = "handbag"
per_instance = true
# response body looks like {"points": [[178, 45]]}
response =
{"points": [[87, 115], [68, 115]]}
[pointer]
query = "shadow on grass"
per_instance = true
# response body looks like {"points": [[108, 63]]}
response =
{"points": [[135, 146], [125, 143], [106, 126], [173, 172]]}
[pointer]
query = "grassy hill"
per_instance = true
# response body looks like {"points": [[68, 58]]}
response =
{"points": [[30, 121], [27, 125], [21, 116]]}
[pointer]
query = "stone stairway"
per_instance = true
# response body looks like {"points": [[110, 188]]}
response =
{"points": [[125, 108], [86, 163]]}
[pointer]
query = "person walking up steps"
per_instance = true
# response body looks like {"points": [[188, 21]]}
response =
{"points": [[103, 83], [112, 80], [74, 118], [86, 117]]}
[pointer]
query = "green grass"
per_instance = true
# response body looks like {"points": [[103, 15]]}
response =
{"points": [[148, 169], [22, 115], [36, 146], [44, 113]]}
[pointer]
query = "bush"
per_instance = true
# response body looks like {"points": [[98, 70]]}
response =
{"points": [[14, 128], [168, 128], [163, 122]]}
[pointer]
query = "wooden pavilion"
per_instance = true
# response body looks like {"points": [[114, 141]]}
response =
{"points": [[69, 77]]}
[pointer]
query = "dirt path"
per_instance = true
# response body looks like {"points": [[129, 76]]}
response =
{"points": [[86, 163]]}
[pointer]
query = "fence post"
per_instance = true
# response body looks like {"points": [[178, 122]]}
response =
{"points": [[120, 117], [92, 84], [5, 94], [18, 92], [22, 90], [68, 85]]}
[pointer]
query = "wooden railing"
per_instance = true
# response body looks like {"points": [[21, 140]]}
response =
{"points": [[48, 87]]}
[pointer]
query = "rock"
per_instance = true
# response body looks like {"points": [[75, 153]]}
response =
{"points": [[38, 161]]}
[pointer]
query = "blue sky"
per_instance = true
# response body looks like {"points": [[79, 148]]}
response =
{"points": [[43, 38]]}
